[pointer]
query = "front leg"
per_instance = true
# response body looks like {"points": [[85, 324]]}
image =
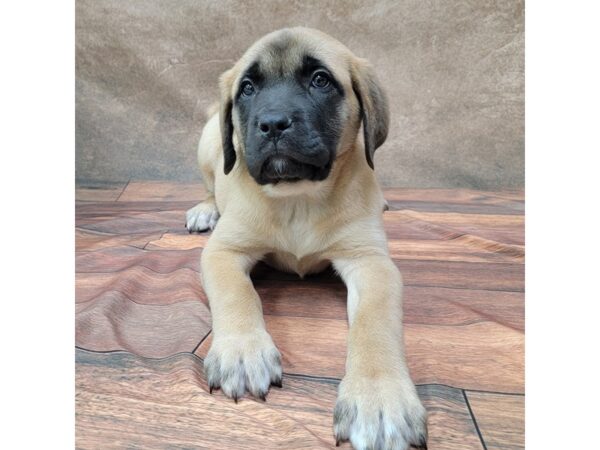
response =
{"points": [[242, 355], [377, 406]]}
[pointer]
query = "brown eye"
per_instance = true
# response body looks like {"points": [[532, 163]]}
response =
{"points": [[320, 80], [247, 88]]}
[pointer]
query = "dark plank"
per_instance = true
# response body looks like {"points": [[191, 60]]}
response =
{"points": [[501, 419]]}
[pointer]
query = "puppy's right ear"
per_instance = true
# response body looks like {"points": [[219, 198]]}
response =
{"points": [[225, 82]]}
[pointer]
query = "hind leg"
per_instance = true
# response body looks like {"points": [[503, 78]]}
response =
{"points": [[204, 215]]}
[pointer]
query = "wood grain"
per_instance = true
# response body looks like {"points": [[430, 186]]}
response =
{"points": [[463, 248], [113, 321], [483, 355], [99, 191], [89, 241], [501, 419], [123, 401], [117, 259], [506, 229], [159, 221], [463, 275], [456, 200], [461, 253], [142, 285], [313, 347], [163, 191]]}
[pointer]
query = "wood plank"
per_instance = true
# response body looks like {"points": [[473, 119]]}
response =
{"points": [[185, 241], [303, 298], [463, 275], [90, 241], [449, 423], [308, 346], [113, 321], [151, 222], [165, 404], [457, 307], [422, 305], [514, 209], [460, 248], [450, 274], [456, 200], [479, 356], [501, 419], [116, 259], [99, 191], [462, 196], [125, 209], [142, 285], [463, 248], [507, 229], [118, 403], [461, 254], [163, 191]]}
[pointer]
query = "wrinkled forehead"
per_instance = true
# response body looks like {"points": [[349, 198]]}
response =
{"points": [[284, 54]]}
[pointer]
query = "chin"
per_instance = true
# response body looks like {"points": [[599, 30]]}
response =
{"points": [[295, 188]]}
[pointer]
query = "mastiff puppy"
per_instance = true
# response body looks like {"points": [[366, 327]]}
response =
{"points": [[291, 182]]}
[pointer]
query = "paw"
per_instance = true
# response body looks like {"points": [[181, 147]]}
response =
{"points": [[202, 217], [379, 414], [240, 363]]}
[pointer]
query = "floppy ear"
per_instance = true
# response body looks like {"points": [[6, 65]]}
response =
{"points": [[226, 122], [374, 108]]}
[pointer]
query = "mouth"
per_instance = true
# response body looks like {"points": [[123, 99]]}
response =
{"points": [[280, 168]]}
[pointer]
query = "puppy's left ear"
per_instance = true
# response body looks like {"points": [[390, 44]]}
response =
{"points": [[374, 107], [226, 122]]}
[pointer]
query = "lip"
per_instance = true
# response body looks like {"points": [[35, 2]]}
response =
{"points": [[282, 168]]}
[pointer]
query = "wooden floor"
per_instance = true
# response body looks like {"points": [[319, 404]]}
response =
{"points": [[143, 325]]}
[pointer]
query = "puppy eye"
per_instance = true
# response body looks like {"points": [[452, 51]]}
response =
{"points": [[247, 88], [320, 80]]}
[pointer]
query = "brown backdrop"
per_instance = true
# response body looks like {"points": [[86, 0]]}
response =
{"points": [[454, 71]]}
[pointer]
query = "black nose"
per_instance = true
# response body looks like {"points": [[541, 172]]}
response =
{"points": [[272, 125]]}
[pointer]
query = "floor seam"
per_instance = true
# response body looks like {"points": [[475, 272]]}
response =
{"points": [[315, 378], [124, 188], [474, 419], [201, 341]]}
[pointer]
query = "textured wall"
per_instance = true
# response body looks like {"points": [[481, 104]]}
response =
{"points": [[454, 71]]}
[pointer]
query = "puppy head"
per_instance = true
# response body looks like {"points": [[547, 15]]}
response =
{"points": [[294, 102]]}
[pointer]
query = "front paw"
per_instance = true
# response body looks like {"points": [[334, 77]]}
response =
{"points": [[382, 414], [240, 362]]}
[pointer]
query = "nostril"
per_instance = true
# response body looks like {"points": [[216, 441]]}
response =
{"points": [[264, 127], [284, 124]]}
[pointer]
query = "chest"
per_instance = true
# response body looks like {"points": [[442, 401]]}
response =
{"points": [[299, 240]]}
